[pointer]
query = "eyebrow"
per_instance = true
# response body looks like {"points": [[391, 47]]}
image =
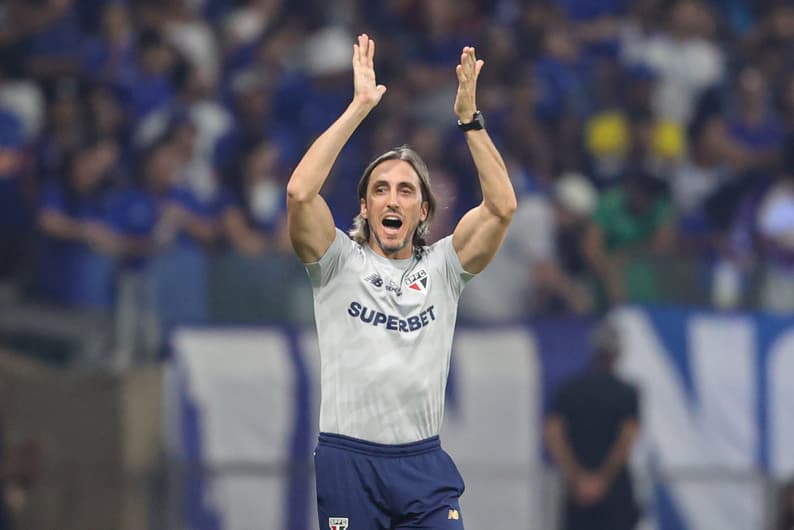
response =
{"points": [[403, 183]]}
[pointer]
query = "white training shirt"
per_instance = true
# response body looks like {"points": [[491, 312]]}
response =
{"points": [[385, 332]]}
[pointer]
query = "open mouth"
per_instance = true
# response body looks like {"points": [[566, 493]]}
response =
{"points": [[392, 222]]}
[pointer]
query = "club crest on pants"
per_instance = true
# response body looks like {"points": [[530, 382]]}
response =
{"points": [[337, 523]]}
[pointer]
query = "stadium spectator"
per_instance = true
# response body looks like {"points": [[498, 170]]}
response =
{"points": [[705, 171], [110, 56], [23, 98], [150, 88], [147, 216], [589, 432], [527, 145], [632, 219], [255, 221], [608, 140], [254, 115], [501, 48], [186, 28], [78, 245], [684, 56], [753, 124], [442, 28], [103, 104], [597, 23], [563, 72], [764, 233], [54, 45], [193, 101], [194, 209], [598, 88], [246, 23], [563, 279], [506, 292], [65, 128], [541, 267], [430, 141]]}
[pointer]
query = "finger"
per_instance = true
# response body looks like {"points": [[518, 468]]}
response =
{"points": [[478, 66], [364, 47], [465, 62], [371, 53], [460, 74], [355, 54], [361, 47], [469, 60]]}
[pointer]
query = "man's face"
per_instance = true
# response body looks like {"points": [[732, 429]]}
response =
{"points": [[393, 208]]}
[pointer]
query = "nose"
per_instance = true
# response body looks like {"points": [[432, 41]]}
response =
{"points": [[393, 199]]}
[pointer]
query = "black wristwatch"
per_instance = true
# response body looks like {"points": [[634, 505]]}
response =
{"points": [[477, 123]]}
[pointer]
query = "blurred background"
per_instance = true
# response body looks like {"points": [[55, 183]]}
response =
{"points": [[158, 366]]}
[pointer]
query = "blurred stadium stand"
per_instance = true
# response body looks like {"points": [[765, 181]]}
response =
{"points": [[144, 150]]}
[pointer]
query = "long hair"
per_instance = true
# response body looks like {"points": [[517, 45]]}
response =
{"points": [[360, 231]]}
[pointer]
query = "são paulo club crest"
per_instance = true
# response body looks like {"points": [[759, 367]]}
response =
{"points": [[418, 281], [337, 523]]}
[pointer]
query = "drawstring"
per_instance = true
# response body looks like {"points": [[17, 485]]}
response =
{"points": [[414, 260]]}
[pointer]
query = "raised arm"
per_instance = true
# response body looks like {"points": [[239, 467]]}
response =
{"points": [[311, 226], [481, 230]]}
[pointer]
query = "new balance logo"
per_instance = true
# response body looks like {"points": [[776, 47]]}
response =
{"points": [[374, 279], [454, 515]]}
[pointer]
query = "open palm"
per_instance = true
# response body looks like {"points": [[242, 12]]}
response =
{"points": [[467, 71], [366, 89]]}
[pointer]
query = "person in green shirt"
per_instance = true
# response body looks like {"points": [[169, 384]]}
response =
{"points": [[634, 219]]}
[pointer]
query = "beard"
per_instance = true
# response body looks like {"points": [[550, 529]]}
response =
{"points": [[392, 248]]}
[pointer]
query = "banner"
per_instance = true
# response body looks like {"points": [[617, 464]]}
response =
{"points": [[716, 410], [715, 419]]}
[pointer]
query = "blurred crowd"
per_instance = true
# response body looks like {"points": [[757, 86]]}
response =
{"points": [[131, 130]]}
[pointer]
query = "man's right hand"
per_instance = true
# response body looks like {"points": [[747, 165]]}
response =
{"points": [[311, 224], [367, 92]]}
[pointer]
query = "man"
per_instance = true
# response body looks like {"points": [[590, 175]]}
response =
{"points": [[385, 307], [635, 218], [590, 431], [562, 277]]}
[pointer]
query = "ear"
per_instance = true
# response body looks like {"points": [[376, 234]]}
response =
{"points": [[363, 208], [425, 210]]}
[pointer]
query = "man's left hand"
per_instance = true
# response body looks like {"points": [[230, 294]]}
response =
{"points": [[467, 71]]}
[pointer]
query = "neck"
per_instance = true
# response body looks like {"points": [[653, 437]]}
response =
{"points": [[404, 252]]}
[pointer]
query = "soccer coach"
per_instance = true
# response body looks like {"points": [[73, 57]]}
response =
{"points": [[385, 308]]}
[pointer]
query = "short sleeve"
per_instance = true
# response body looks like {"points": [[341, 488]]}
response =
{"points": [[563, 403], [457, 277], [322, 271]]}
